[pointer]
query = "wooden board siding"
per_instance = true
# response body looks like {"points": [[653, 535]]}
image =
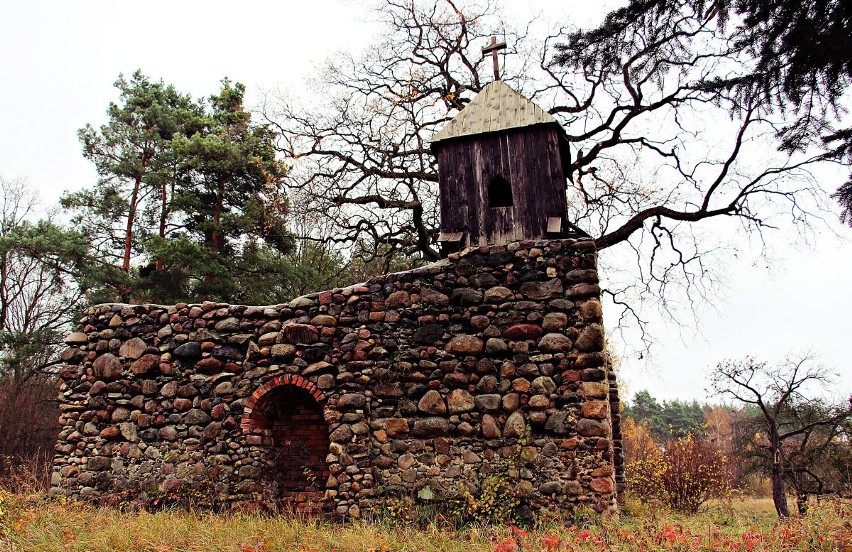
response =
{"points": [[528, 158], [537, 162], [456, 187]]}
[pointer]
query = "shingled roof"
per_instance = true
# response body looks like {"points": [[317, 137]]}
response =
{"points": [[496, 108]]}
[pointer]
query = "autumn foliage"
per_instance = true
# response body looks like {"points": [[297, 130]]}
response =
{"points": [[639, 444], [685, 474]]}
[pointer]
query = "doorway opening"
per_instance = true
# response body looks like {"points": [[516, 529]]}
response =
{"points": [[295, 434]]}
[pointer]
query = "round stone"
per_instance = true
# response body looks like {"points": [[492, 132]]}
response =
{"points": [[459, 400], [466, 296], [592, 428], [324, 320], [228, 325], [398, 299], [554, 343], [431, 427], [498, 294], [515, 426], [591, 339], [479, 322], [522, 332], [77, 338], [465, 344], [488, 403], [542, 290], [432, 403], [196, 417], [496, 346], [543, 385], [429, 296], [554, 321], [145, 364], [189, 350], [490, 429], [107, 367]]}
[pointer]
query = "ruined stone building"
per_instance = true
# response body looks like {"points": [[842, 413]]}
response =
{"points": [[489, 363]]}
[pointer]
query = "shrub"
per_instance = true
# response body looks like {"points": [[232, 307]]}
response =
{"points": [[26, 475], [2, 508], [396, 511], [28, 413], [687, 473], [494, 504]]}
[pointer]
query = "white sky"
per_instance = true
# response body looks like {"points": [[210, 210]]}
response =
{"points": [[58, 60]]}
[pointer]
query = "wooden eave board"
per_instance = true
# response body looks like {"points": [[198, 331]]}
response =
{"points": [[554, 225], [496, 108], [450, 236]]}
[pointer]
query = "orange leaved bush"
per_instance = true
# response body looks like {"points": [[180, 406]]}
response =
{"points": [[683, 475]]}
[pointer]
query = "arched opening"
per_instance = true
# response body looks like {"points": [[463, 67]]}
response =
{"points": [[499, 192], [292, 427]]}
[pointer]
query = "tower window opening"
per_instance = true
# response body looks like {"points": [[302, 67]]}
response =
{"points": [[499, 192]]}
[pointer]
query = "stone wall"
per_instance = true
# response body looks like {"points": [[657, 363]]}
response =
{"points": [[487, 364]]}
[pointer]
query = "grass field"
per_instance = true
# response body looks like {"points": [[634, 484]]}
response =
{"points": [[35, 523]]}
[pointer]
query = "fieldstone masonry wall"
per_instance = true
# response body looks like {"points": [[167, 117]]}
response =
{"points": [[488, 362]]}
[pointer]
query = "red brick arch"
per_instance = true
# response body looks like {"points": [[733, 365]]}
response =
{"points": [[249, 423], [285, 417]]}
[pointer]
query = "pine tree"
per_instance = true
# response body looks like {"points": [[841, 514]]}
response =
{"points": [[133, 156], [189, 205], [232, 205]]}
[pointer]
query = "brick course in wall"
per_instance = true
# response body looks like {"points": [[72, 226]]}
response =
{"points": [[490, 362]]}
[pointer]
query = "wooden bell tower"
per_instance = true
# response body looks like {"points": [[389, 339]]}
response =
{"points": [[501, 172]]}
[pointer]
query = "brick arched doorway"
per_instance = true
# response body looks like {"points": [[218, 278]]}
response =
{"points": [[287, 414]]}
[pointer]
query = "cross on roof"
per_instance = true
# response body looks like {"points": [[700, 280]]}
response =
{"points": [[493, 48]]}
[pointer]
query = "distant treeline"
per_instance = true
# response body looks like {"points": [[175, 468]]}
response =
{"points": [[667, 419]]}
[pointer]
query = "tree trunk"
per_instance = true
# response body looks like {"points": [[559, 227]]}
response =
{"points": [[131, 216], [4, 302], [216, 238], [217, 216], [163, 200], [802, 502], [778, 495]]}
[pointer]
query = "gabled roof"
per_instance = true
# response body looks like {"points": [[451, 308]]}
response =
{"points": [[497, 107]]}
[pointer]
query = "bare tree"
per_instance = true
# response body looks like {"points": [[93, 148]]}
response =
{"points": [[36, 299], [656, 153], [37, 302], [362, 157], [793, 423], [815, 465]]}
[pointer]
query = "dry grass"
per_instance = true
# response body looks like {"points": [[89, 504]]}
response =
{"points": [[27, 475], [35, 523], [77, 527]]}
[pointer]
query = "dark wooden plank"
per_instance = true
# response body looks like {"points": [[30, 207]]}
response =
{"points": [[520, 192], [482, 157], [527, 183], [452, 202], [557, 175], [468, 200], [484, 152], [528, 158], [548, 198], [494, 161], [549, 193], [454, 176]]}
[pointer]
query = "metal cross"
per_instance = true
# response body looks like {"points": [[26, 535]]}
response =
{"points": [[493, 48]]}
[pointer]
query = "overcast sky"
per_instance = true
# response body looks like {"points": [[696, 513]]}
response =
{"points": [[58, 60]]}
